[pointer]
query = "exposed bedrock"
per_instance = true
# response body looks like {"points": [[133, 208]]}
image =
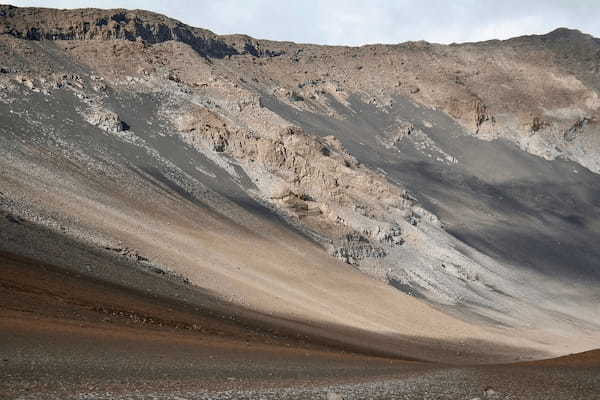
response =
{"points": [[464, 175]]}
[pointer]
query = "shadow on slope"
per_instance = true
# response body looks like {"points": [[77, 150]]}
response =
{"points": [[516, 207], [91, 286]]}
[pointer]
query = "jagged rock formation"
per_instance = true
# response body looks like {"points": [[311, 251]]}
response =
{"points": [[354, 247], [107, 121], [465, 175], [138, 25], [455, 81], [314, 178]]}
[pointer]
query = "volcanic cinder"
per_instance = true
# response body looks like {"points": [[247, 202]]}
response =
{"points": [[195, 215]]}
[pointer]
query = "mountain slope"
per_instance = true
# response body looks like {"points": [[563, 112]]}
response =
{"points": [[420, 193]]}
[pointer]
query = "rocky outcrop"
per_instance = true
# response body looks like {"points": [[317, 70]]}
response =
{"points": [[106, 120], [537, 124], [481, 115], [137, 25], [492, 89], [401, 131], [354, 247], [572, 133], [311, 178], [129, 253], [299, 205], [134, 256]]}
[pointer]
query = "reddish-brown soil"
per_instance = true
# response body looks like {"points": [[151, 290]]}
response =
{"points": [[66, 334]]}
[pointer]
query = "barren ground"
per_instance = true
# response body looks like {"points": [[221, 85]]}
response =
{"points": [[65, 336], [204, 216]]}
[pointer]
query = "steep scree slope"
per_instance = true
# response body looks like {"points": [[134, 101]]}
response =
{"points": [[316, 182]]}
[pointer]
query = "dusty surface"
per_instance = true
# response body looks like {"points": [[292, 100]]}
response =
{"points": [[420, 201], [68, 336]]}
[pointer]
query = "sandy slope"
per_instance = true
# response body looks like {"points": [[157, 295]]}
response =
{"points": [[65, 335], [187, 196], [215, 235], [260, 265]]}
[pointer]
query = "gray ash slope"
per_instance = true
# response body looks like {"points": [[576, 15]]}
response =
{"points": [[247, 167]]}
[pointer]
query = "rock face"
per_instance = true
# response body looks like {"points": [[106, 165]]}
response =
{"points": [[90, 24], [456, 79], [107, 121], [314, 179], [465, 175], [354, 247]]}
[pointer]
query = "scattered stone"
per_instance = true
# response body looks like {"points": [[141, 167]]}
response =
{"points": [[15, 219], [572, 133], [481, 115], [393, 236], [538, 124], [489, 392], [354, 247], [107, 121], [295, 96], [127, 252], [28, 83], [403, 130], [174, 78]]}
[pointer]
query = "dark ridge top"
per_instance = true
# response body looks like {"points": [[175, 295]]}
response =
{"points": [[563, 32], [121, 24]]}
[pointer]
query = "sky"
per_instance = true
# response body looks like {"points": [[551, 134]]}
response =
{"points": [[354, 22]]}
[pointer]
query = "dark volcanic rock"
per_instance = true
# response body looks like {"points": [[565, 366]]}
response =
{"points": [[96, 24]]}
